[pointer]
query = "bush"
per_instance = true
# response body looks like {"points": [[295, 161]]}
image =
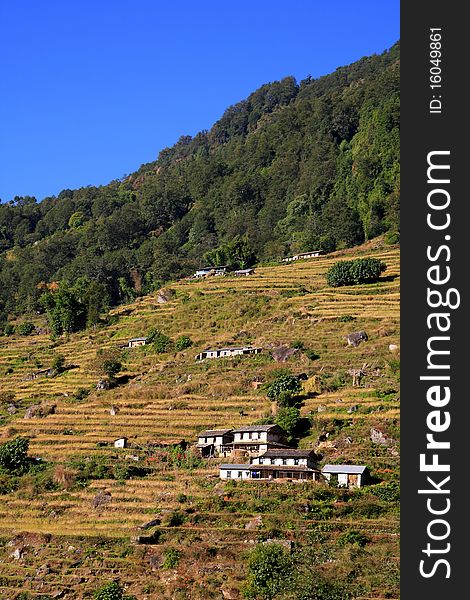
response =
{"points": [[111, 591], [25, 328], [8, 329], [282, 385], [182, 343], [58, 363], [354, 272], [108, 362], [353, 537], [171, 559], [159, 340], [14, 454], [269, 571], [288, 419]]}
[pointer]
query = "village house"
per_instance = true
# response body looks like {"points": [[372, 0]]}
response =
{"points": [[303, 256], [349, 476], [121, 442], [227, 352], [258, 439], [275, 464], [215, 442], [243, 272], [135, 342], [210, 272]]}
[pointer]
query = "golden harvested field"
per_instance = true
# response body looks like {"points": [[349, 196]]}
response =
{"points": [[170, 396]]}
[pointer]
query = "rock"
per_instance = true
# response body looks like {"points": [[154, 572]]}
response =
{"points": [[282, 353], [101, 499], [151, 523], [378, 437], [102, 384], [11, 409], [321, 408], [393, 347], [165, 295], [254, 523], [39, 411], [348, 440], [230, 594], [354, 339], [43, 570], [113, 411], [287, 544], [17, 554], [353, 408]]}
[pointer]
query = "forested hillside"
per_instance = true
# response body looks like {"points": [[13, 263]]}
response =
{"points": [[294, 167]]}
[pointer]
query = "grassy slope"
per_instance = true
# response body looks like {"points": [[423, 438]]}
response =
{"points": [[171, 396]]}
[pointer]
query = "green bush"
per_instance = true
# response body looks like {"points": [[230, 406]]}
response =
{"points": [[182, 343], [25, 328], [353, 537], [269, 572], [8, 329], [171, 558], [111, 591], [354, 272], [14, 455], [283, 388], [159, 340]]}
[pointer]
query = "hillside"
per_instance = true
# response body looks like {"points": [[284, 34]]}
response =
{"points": [[294, 167], [58, 539]]}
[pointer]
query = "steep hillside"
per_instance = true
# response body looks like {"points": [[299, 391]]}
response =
{"points": [[294, 167], [59, 537]]}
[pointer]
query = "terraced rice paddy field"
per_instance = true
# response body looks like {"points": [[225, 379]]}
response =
{"points": [[58, 541]]}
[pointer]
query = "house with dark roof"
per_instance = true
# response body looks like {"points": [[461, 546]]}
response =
{"points": [[215, 442], [350, 476], [275, 464], [134, 342], [258, 439]]}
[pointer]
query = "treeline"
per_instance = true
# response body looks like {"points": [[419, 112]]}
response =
{"points": [[294, 167]]}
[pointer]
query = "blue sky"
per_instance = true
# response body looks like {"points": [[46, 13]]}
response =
{"points": [[90, 90]]}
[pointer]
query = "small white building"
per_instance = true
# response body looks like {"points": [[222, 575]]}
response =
{"points": [[135, 342], [303, 256], [349, 476], [121, 442], [235, 471], [258, 439], [227, 352], [210, 272], [243, 272], [215, 442]]}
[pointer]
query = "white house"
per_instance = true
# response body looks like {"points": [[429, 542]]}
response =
{"points": [[243, 272], [215, 442], [346, 475], [134, 342], [258, 439], [296, 465], [121, 442], [227, 352], [303, 255], [209, 271]]}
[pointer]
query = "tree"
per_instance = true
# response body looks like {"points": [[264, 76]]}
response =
{"points": [[269, 571], [354, 272], [108, 363], [283, 388], [288, 418], [182, 343], [14, 454]]}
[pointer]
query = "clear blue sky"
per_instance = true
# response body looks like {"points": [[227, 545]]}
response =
{"points": [[91, 89]]}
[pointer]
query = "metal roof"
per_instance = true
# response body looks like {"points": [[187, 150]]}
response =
{"points": [[337, 469], [256, 428], [282, 468], [142, 339], [288, 453], [234, 467], [213, 432]]}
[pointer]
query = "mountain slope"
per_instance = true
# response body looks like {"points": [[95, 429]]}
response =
{"points": [[293, 167]]}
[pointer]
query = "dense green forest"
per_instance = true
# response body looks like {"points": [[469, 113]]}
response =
{"points": [[294, 167]]}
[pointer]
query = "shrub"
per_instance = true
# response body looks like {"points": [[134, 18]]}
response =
{"points": [[353, 537], [8, 329], [159, 340], [58, 363], [288, 418], [111, 591], [14, 454], [354, 272], [182, 343], [108, 362], [269, 570], [282, 385], [25, 328], [171, 558]]}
